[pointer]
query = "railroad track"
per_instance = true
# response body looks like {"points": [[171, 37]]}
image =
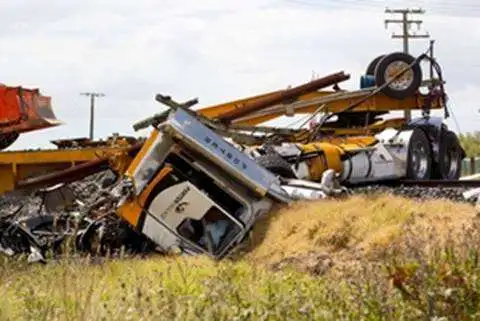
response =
{"points": [[439, 183], [426, 189], [423, 183]]}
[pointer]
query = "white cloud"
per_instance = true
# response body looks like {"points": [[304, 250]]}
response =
{"points": [[465, 117], [215, 50]]}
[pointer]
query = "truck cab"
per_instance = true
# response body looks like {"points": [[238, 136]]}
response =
{"points": [[191, 190]]}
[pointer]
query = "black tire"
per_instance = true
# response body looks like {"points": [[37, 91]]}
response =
{"points": [[7, 139], [419, 158], [373, 64], [450, 157], [276, 164], [413, 79]]}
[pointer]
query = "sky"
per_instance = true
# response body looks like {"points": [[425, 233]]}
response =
{"points": [[216, 51]]}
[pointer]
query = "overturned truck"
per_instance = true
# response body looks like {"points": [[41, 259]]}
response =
{"points": [[199, 182], [187, 189]]}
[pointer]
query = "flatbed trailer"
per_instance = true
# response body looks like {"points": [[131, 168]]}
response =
{"points": [[335, 102], [16, 166], [358, 112]]}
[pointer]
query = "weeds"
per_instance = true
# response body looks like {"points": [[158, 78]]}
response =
{"points": [[429, 270]]}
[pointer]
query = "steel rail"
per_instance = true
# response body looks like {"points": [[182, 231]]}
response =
{"points": [[422, 183]]}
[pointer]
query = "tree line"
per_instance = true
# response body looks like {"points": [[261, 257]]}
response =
{"points": [[471, 143]]}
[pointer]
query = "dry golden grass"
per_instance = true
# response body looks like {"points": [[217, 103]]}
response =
{"points": [[409, 281], [350, 225]]}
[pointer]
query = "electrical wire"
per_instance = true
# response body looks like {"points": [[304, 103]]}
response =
{"points": [[455, 120], [376, 3], [450, 8]]}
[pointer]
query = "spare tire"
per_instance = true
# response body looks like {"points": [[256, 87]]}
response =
{"points": [[276, 164], [419, 158], [373, 64], [404, 86]]}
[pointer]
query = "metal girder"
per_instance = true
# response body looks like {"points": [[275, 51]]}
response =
{"points": [[16, 166]]}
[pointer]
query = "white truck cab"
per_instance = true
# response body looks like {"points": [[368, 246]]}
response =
{"points": [[194, 191]]}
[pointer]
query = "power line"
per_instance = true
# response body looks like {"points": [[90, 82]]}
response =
{"points": [[452, 9], [92, 96], [376, 3]]}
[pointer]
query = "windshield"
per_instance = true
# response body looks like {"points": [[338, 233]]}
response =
{"points": [[194, 207], [212, 232]]}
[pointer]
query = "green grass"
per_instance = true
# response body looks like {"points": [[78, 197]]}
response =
{"points": [[471, 143], [426, 270]]}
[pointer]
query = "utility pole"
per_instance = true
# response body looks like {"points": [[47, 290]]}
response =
{"points": [[406, 24], [92, 96]]}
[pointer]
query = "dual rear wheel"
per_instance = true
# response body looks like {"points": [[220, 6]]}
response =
{"points": [[419, 165], [450, 157], [419, 161]]}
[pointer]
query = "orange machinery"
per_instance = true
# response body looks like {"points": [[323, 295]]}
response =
{"points": [[23, 110]]}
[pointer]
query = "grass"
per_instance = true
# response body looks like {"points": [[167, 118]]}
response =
{"points": [[363, 258], [349, 226]]}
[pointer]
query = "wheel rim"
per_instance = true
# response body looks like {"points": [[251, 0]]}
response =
{"points": [[420, 161], [404, 81]]}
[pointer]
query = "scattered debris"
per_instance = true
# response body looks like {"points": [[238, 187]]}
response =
{"points": [[85, 222], [202, 179]]}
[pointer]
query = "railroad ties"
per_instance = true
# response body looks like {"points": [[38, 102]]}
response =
{"points": [[452, 190]]}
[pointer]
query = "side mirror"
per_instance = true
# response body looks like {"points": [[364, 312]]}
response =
{"points": [[57, 197]]}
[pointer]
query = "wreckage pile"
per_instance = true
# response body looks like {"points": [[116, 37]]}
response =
{"points": [[28, 227], [204, 177]]}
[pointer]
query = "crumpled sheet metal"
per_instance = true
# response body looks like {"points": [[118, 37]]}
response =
{"points": [[27, 228]]}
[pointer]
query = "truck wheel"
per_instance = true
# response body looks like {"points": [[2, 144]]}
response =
{"points": [[419, 158], [450, 157], [7, 139], [276, 164], [404, 86], [373, 64]]}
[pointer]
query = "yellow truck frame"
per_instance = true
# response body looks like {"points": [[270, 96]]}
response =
{"points": [[375, 98]]}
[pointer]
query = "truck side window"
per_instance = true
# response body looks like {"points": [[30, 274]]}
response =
{"points": [[191, 229], [209, 232]]}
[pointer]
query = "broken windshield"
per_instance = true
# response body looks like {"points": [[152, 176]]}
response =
{"points": [[213, 232]]}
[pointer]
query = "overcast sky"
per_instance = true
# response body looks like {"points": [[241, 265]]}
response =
{"points": [[216, 50]]}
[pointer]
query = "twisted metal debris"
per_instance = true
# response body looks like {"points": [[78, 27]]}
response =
{"points": [[88, 224], [203, 178], [85, 224]]}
